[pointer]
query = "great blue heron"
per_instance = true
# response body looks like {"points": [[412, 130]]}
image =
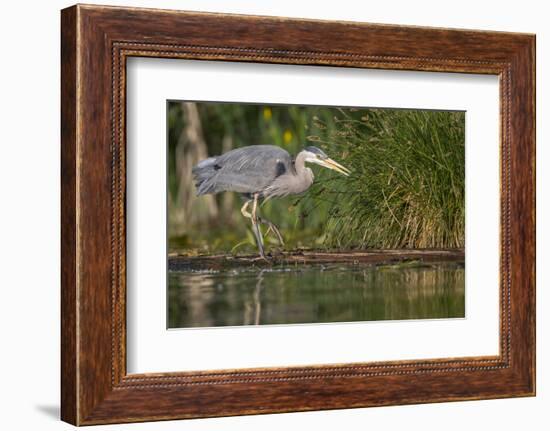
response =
{"points": [[260, 172]]}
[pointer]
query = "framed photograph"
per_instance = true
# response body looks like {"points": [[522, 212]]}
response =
{"points": [[266, 215]]}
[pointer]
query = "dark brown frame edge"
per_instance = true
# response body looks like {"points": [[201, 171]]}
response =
{"points": [[95, 43]]}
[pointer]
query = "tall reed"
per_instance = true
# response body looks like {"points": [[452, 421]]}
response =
{"points": [[407, 189]]}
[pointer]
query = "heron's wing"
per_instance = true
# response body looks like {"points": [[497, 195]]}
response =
{"points": [[249, 169]]}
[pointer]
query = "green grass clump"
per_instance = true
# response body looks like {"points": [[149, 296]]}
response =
{"points": [[407, 184]]}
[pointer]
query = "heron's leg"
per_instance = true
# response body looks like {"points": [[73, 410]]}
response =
{"points": [[244, 212], [273, 227], [256, 227]]}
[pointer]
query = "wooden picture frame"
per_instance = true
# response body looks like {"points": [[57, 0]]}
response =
{"points": [[95, 43]]}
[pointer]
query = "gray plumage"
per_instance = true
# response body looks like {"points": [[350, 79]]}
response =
{"points": [[265, 169]]}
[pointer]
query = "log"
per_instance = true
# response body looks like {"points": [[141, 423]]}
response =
{"points": [[312, 257]]}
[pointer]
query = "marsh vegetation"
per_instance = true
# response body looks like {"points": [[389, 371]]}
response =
{"points": [[406, 189]]}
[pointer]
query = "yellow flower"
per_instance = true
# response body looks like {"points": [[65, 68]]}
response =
{"points": [[287, 136], [267, 114]]}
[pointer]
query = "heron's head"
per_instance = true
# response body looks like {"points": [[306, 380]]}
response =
{"points": [[318, 156]]}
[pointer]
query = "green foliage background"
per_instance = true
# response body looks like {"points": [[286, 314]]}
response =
{"points": [[406, 189]]}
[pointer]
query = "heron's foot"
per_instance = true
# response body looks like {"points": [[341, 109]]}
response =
{"points": [[261, 258]]}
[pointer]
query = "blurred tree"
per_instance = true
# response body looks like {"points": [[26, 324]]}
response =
{"points": [[190, 149]]}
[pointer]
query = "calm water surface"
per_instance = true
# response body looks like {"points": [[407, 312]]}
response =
{"points": [[315, 294]]}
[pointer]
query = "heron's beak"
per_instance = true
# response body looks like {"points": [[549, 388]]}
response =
{"points": [[331, 164]]}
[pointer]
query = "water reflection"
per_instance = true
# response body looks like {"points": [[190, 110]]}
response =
{"points": [[315, 294]]}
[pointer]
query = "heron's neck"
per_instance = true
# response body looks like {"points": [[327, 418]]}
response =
{"points": [[300, 163], [302, 172]]}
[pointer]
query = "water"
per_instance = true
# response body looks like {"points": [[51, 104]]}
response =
{"points": [[315, 294]]}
